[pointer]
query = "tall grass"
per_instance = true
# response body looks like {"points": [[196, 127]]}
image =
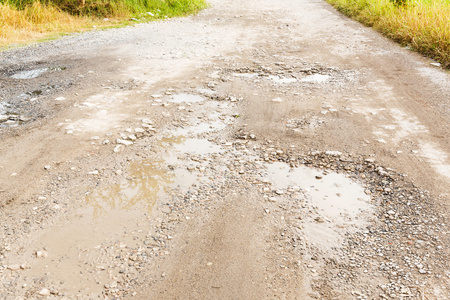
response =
{"points": [[27, 20], [424, 25], [33, 22]]}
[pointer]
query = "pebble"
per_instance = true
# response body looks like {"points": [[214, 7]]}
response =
{"points": [[124, 142], [41, 254], [13, 267], [44, 292]]}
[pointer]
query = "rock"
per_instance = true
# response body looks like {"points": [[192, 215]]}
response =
{"points": [[277, 100], [95, 172], [24, 119], [47, 167], [13, 267], [41, 254], [44, 292], [4, 118], [319, 220], [139, 130], [117, 148], [435, 64], [279, 192], [60, 99], [124, 142], [318, 177]]}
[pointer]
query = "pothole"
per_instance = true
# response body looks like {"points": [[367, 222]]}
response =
{"points": [[30, 74], [338, 204], [337, 197]]}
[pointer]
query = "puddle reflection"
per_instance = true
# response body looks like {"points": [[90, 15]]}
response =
{"points": [[148, 179]]}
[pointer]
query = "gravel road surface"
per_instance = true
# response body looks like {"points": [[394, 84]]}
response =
{"points": [[258, 150]]}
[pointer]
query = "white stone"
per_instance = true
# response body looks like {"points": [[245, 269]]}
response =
{"points": [[124, 142], [44, 292]]}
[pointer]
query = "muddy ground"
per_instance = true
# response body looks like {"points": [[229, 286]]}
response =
{"points": [[258, 150]]}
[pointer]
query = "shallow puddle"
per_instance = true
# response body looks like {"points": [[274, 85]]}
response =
{"points": [[151, 180], [186, 98], [337, 197], [30, 74], [34, 73], [147, 181], [341, 203]]}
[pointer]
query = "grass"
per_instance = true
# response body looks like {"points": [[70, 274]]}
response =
{"points": [[423, 25], [25, 21]]}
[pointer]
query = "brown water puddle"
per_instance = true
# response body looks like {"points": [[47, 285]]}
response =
{"points": [[340, 202], [113, 217], [148, 179]]}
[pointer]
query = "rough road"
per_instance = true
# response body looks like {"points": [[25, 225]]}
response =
{"points": [[258, 150]]}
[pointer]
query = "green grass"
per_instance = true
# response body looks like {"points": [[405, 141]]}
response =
{"points": [[24, 21], [423, 25]]}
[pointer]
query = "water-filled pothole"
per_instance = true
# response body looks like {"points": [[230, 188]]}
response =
{"points": [[147, 181], [336, 196], [337, 204], [30, 74]]}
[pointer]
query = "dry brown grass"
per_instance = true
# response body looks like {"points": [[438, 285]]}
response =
{"points": [[35, 22], [424, 25]]}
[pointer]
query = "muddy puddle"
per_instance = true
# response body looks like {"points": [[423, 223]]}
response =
{"points": [[340, 203], [114, 216], [151, 180], [147, 181], [30, 74]]}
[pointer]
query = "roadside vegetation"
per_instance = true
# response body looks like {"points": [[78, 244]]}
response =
{"points": [[23, 21], [423, 25]]}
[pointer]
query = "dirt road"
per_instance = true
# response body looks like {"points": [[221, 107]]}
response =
{"points": [[259, 150]]}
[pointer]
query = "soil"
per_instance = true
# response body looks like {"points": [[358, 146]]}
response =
{"points": [[257, 150]]}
